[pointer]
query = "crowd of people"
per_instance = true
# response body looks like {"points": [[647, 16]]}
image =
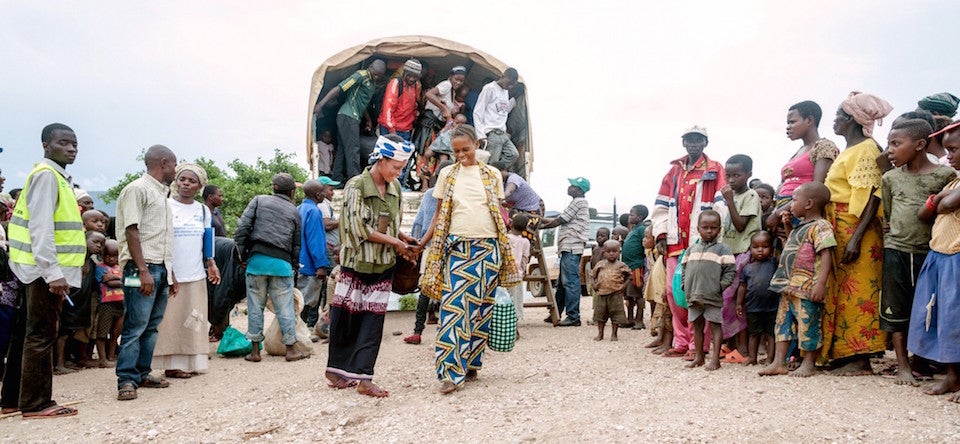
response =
{"points": [[852, 254]]}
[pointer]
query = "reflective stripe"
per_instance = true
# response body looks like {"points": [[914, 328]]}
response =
{"points": [[68, 226], [16, 220], [15, 244], [71, 249]]}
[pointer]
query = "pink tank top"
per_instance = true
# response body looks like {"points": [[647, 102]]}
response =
{"points": [[796, 172]]}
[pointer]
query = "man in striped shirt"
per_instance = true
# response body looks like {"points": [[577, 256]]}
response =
{"points": [[574, 225]]}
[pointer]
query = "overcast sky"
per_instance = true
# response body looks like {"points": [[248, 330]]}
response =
{"points": [[612, 84]]}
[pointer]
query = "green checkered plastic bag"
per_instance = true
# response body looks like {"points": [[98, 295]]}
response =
{"points": [[503, 325]]}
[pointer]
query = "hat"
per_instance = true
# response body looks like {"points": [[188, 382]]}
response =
{"points": [[327, 181], [459, 69], [412, 66], [580, 182], [283, 182], [949, 127], [695, 130], [944, 104]]}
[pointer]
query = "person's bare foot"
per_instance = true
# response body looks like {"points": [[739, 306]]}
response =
{"points": [[945, 386], [804, 371], [252, 357], [954, 398], [859, 367], [106, 364], [712, 364], [654, 343], [63, 370], [294, 356], [370, 389], [751, 361], [447, 387], [906, 378], [697, 362], [773, 370], [598, 338], [674, 353], [471, 375], [613, 337], [338, 382]]}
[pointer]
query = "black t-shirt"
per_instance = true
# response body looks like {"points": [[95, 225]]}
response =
{"points": [[756, 276]]}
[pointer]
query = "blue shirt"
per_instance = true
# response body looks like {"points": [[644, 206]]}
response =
{"points": [[313, 239], [428, 206], [260, 264]]}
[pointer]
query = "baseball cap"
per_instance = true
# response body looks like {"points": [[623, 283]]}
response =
{"points": [[580, 182], [695, 130], [949, 127], [283, 182], [327, 181]]}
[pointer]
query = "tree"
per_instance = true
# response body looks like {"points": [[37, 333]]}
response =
{"points": [[245, 182]]}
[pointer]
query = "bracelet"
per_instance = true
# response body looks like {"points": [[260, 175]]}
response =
{"points": [[929, 203]]}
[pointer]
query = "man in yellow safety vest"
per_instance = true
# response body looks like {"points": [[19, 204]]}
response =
{"points": [[47, 250]]}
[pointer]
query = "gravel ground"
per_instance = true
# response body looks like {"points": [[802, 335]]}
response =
{"points": [[557, 385]]}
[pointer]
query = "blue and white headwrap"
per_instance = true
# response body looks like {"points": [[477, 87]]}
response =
{"points": [[388, 149]]}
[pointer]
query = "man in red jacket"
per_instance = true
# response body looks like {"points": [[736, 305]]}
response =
{"points": [[399, 109]]}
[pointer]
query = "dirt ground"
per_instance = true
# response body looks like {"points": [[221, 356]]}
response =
{"points": [[557, 385]]}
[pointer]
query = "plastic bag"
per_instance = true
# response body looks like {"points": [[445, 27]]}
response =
{"points": [[503, 322], [272, 336], [679, 297], [234, 344]]}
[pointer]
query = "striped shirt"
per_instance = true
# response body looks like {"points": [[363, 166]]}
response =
{"points": [[360, 215], [143, 203], [573, 234], [708, 269]]}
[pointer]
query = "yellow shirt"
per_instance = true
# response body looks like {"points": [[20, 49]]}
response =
{"points": [[853, 174], [470, 217]]}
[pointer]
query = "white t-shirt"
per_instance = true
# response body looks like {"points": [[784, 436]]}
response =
{"points": [[470, 216], [492, 108], [446, 96], [188, 224]]}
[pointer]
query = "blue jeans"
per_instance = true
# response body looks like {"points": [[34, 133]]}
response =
{"points": [[280, 291], [141, 317], [405, 135], [568, 289]]}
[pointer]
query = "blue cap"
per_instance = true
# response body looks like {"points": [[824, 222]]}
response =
{"points": [[327, 181]]}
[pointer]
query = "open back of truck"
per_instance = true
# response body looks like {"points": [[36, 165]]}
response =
{"points": [[438, 56]]}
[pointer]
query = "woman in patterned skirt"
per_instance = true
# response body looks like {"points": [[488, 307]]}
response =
{"points": [[470, 258]]}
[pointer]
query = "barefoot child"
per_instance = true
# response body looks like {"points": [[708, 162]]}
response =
{"points": [[595, 256], [110, 309], [754, 297], [635, 257], [806, 265], [654, 291], [75, 314], [935, 318], [742, 221], [905, 245], [708, 268], [610, 278]]}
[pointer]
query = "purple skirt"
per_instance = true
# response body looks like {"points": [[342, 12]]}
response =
{"points": [[733, 324]]}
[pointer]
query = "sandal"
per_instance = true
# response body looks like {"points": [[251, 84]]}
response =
{"points": [[178, 374], [54, 411], [127, 392], [734, 357], [154, 382]]}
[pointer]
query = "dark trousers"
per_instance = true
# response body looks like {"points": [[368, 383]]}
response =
{"points": [[346, 162], [10, 392], [40, 334], [424, 306]]}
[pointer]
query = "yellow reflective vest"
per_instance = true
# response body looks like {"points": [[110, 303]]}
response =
{"points": [[68, 225]]}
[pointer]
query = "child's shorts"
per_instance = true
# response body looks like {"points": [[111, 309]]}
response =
{"points": [[761, 323], [900, 273], [711, 313], [800, 319], [107, 315], [609, 306]]}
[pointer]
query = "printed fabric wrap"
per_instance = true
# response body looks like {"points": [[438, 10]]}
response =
{"points": [[432, 280]]}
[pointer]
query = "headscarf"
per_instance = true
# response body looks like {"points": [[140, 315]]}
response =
{"points": [[388, 149], [459, 69], [196, 169], [944, 104], [866, 109]]}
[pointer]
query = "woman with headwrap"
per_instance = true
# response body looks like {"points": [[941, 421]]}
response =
{"points": [[440, 108], [470, 258], [370, 239], [851, 318], [182, 343]]}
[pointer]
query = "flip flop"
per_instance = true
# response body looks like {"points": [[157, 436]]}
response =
{"points": [[54, 411], [734, 357], [178, 374], [8, 410]]}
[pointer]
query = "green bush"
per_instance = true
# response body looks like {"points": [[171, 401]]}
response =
{"points": [[408, 302]]}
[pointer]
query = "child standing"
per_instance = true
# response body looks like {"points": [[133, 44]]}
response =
{"points": [[654, 291], [906, 242], [75, 314], [708, 269], [755, 298], [635, 257], [806, 265], [521, 252], [935, 318], [766, 193], [110, 309], [610, 278], [596, 255], [324, 153], [740, 223]]}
